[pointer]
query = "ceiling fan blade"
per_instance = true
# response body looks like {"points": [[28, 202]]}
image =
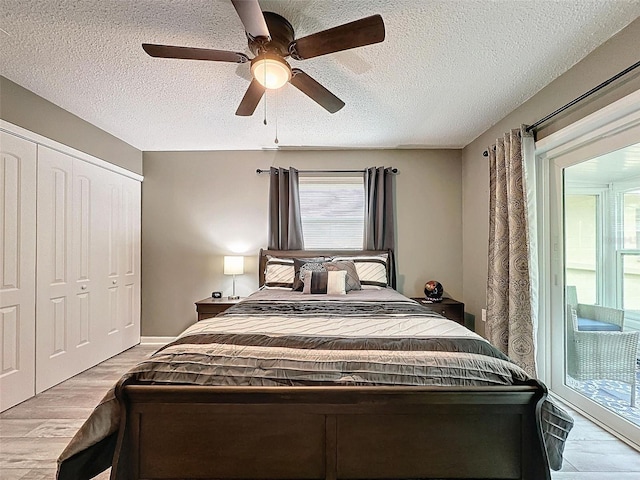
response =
{"points": [[315, 91], [188, 53], [252, 18], [365, 31], [251, 99]]}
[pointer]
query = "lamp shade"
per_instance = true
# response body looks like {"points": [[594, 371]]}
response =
{"points": [[233, 265], [270, 71]]}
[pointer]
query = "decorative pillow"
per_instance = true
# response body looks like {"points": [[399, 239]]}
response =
{"points": [[279, 273], [331, 282], [301, 266], [352, 279], [372, 270]]}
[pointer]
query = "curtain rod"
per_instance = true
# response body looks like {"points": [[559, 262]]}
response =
{"points": [[579, 99], [259, 171]]}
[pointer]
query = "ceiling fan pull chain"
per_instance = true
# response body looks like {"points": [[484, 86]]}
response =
{"points": [[266, 94], [277, 95]]}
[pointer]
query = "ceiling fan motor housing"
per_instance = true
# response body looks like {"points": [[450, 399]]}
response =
{"points": [[282, 35]]}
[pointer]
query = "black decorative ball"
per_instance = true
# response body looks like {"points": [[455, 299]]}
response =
{"points": [[433, 291]]}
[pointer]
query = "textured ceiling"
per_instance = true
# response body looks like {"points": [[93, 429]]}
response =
{"points": [[446, 72]]}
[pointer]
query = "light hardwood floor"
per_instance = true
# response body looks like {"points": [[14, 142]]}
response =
{"points": [[33, 434]]}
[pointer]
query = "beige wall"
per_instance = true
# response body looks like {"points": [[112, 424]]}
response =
{"points": [[612, 57], [27, 110], [199, 206]]}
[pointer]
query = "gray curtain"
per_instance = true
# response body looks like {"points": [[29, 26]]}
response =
{"points": [[285, 222], [510, 325], [379, 223]]}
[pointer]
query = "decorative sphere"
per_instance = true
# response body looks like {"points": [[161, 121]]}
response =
{"points": [[433, 290]]}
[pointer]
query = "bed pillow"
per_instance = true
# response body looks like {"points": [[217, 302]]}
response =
{"points": [[279, 273], [352, 278], [331, 282], [302, 266], [371, 269]]}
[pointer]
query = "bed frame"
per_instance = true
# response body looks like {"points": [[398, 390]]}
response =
{"points": [[278, 433]]}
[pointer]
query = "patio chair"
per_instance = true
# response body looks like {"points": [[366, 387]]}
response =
{"points": [[596, 355], [595, 318]]}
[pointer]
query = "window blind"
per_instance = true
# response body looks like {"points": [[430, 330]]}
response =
{"points": [[332, 211]]}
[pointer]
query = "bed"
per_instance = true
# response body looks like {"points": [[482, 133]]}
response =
{"points": [[294, 385]]}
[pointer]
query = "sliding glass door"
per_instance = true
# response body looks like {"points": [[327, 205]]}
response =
{"points": [[591, 273], [601, 271]]}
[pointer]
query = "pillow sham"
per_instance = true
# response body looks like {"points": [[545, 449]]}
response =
{"points": [[352, 281], [302, 266], [371, 269], [331, 282], [279, 273]]}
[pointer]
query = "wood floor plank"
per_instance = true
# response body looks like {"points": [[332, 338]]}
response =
{"points": [[29, 453]]}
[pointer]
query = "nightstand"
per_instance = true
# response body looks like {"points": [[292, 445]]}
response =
{"points": [[448, 307], [210, 307]]}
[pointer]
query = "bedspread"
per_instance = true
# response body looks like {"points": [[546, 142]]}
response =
{"points": [[273, 338]]}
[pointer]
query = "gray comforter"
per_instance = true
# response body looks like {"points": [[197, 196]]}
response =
{"points": [[286, 338]]}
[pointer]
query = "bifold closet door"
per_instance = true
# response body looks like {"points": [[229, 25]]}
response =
{"points": [[18, 253], [69, 305], [122, 218]]}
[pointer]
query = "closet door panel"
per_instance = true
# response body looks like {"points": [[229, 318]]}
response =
{"points": [[123, 278], [89, 266], [130, 262], [114, 215], [69, 307], [57, 333], [18, 254]]}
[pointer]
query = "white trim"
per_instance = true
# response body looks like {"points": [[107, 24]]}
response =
{"points": [[156, 340], [62, 148]]}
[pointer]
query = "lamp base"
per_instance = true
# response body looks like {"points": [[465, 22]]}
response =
{"points": [[233, 297]]}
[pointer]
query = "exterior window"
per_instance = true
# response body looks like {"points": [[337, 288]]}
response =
{"points": [[631, 219], [629, 255], [582, 226], [332, 211]]}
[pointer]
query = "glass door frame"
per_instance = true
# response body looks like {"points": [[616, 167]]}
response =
{"points": [[609, 129]]}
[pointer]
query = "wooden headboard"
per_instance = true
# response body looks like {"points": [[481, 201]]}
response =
{"points": [[262, 263]]}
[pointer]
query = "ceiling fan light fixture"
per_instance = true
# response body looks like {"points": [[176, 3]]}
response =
{"points": [[270, 70]]}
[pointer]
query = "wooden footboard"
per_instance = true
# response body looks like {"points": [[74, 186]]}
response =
{"points": [[178, 432]]}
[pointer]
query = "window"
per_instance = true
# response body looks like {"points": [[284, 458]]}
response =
{"points": [[628, 253], [582, 225], [332, 211]]}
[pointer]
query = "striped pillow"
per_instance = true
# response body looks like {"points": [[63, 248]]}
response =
{"points": [[372, 270], [331, 282], [279, 273]]}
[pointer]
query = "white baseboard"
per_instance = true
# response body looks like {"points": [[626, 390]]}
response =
{"points": [[156, 340]]}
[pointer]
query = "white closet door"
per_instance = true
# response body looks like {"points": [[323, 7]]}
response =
{"points": [[66, 339], [88, 258], [130, 262], [122, 216], [18, 251]]}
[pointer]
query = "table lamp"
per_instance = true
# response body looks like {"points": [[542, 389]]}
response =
{"points": [[233, 265]]}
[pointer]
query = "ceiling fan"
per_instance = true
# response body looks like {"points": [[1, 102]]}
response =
{"points": [[271, 39]]}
